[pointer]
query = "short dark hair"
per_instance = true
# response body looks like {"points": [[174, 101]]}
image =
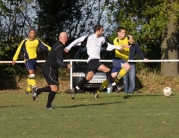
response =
{"points": [[120, 28], [32, 29], [97, 27]]}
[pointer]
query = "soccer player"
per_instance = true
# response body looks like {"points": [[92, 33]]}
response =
{"points": [[93, 45], [50, 69], [29, 47], [120, 64]]}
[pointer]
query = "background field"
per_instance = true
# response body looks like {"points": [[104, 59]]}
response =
{"points": [[111, 116]]}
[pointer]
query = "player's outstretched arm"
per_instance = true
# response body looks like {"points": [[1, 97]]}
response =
{"points": [[16, 55], [76, 42]]}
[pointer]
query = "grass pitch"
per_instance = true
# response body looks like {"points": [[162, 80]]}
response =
{"points": [[111, 116]]}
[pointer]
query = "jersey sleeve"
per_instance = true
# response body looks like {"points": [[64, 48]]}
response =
{"points": [[59, 56], [44, 46], [18, 50], [76, 42]]}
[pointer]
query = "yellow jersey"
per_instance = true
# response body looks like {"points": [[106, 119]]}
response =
{"points": [[123, 54], [30, 47]]}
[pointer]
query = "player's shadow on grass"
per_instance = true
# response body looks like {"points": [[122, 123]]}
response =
{"points": [[82, 105], [10, 106], [127, 96]]}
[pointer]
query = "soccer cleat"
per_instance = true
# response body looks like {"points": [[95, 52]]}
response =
{"points": [[34, 96], [119, 89], [73, 94], [51, 107], [96, 95]]}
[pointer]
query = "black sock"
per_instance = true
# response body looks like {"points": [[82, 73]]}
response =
{"points": [[51, 96], [109, 77], [81, 84], [44, 89]]}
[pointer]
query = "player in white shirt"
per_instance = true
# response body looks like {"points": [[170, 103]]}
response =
{"points": [[93, 45]]}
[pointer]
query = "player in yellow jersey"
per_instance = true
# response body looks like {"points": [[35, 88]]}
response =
{"points": [[29, 47], [120, 64]]}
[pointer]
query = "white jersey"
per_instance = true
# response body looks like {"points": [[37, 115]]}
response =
{"points": [[93, 46]]}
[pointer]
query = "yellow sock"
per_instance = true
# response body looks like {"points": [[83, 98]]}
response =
{"points": [[29, 86], [121, 73], [33, 83], [103, 86]]}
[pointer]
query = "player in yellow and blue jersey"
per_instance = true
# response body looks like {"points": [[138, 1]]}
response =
{"points": [[29, 48], [120, 64]]}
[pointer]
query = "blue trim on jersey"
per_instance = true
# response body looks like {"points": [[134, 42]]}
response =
{"points": [[42, 46]]}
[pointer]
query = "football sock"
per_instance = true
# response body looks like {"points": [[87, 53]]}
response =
{"points": [[44, 89], [32, 82], [51, 96], [103, 86], [121, 73], [80, 84], [29, 86]]}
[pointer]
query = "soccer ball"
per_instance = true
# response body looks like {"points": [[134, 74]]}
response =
{"points": [[167, 91]]}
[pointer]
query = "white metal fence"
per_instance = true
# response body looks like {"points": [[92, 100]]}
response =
{"points": [[84, 60]]}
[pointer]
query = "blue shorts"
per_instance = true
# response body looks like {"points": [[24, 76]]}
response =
{"points": [[30, 64], [117, 64]]}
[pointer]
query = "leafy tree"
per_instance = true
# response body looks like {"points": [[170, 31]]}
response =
{"points": [[153, 23]]}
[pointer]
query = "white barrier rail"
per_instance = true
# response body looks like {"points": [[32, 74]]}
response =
{"points": [[69, 60], [161, 60], [84, 60]]}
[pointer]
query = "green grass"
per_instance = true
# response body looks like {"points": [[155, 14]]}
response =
{"points": [[111, 116]]}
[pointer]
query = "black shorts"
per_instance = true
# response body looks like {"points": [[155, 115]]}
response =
{"points": [[93, 65], [50, 74]]}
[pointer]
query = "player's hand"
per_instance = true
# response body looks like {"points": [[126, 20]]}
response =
{"points": [[66, 50], [68, 66], [126, 46], [119, 48], [145, 59], [13, 62]]}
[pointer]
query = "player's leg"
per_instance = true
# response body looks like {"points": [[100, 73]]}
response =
{"points": [[93, 65], [46, 70], [51, 76], [51, 96], [105, 69], [125, 68], [83, 81], [29, 86], [105, 83], [132, 73], [31, 66]]}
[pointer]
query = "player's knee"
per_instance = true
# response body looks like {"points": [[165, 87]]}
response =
{"points": [[126, 66], [88, 78], [114, 75], [54, 88], [31, 76]]}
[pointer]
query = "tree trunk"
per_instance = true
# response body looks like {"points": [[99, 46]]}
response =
{"points": [[169, 49]]}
